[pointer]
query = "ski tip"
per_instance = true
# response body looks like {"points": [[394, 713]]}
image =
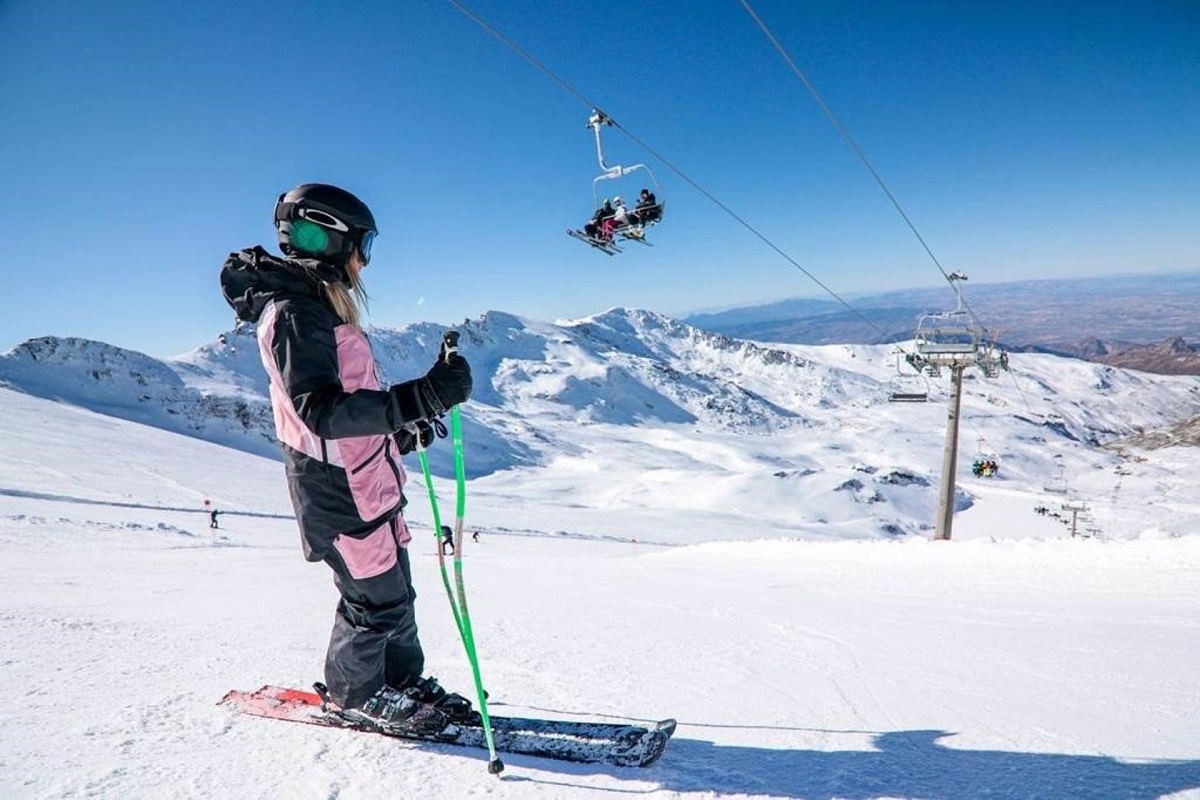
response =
{"points": [[495, 766], [667, 726]]}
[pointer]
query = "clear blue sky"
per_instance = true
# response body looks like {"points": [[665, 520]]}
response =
{"points": [[143, 141]]}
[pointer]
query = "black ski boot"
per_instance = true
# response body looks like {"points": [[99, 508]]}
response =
{"points": [[400, 712], [456, 707]]}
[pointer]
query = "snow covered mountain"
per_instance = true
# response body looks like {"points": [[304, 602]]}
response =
{"points": [[652, 389], [133, 386]]}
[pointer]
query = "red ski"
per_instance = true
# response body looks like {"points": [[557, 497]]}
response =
{"points": [[622, 744]]}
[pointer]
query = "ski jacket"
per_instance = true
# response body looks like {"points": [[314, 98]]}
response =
{"points": [[333, 420], [603, 212]]}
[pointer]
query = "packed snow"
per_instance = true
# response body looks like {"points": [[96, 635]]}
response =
{"points": [[762, 570]]}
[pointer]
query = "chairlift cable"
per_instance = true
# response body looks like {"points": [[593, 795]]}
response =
{"points": [[676, 170], [738, 218], [841, 129], [1024, 398]]}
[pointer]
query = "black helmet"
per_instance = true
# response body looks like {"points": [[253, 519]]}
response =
{"points": [[316, 220]]}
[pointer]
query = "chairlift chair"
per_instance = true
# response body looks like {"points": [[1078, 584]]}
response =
{"points": [[1057, 485], [946, 333], [949, 332], [632, 232], [907, 387], [986, 463]]}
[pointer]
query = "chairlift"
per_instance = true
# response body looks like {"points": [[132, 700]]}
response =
{"points": [[907, 387], [986, 463], [949, 332], [645, 218], [1057, 485]]}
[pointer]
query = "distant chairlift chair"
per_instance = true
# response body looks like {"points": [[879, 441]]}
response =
{"points": [[907, 387]]}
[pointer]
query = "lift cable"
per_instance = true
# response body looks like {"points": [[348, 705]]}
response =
{"points": [[683, 176], [841, 129], [853, 146]]}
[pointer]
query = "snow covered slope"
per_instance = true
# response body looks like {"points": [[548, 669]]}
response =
{"points": [[877, 668]]}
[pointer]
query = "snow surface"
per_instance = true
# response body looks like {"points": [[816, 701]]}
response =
{"points": [[634, 569]]}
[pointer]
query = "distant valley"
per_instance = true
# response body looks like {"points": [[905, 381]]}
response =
{"points": [[1144, 322]]}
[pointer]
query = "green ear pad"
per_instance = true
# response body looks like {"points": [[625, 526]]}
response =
{"points": [[309, 237]]}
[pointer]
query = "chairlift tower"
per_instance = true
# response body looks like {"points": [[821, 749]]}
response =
{"points": [[953, 341], [1078, 510]]}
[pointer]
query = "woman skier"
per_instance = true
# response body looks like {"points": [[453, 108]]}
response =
{"points": [[341, 434]]}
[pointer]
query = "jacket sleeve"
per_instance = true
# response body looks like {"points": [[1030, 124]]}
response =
{"points": [[305, 351]]}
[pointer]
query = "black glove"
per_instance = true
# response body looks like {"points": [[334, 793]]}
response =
{"points": [[419, 433], [447, 384], [449, 381]]}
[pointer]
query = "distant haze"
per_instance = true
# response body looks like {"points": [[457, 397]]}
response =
{"points": [[1055, 315]]}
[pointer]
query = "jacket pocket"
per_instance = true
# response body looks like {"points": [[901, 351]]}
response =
{"points": [[367, 461], [373, 481], [368, 555]]}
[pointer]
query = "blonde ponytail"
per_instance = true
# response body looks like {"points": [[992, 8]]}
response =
{"points": [[349, 302]]}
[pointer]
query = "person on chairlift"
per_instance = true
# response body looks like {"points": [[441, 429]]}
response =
{"points": [[595, 226], [648, 210]]}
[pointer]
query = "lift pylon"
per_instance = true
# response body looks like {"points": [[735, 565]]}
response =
{"points": [[954, 341]]}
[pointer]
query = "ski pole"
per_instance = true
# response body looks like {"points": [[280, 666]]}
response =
{"points": [[437, 527], [462, 617]]}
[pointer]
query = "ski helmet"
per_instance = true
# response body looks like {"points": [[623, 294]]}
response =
{"points": [[316, 220]]}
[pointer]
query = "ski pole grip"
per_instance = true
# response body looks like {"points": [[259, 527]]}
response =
{"points": [[449, 345]]}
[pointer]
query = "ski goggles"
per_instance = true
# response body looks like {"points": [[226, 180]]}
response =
{"points": [[364, 246], [326, 220]]}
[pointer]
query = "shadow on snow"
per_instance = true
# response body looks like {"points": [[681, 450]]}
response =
{"points": [[905, 764]]}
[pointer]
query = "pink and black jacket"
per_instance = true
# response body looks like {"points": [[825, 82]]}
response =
{"points": [[333, 419]]}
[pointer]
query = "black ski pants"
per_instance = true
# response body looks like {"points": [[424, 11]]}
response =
{"points": [[374, 640]]}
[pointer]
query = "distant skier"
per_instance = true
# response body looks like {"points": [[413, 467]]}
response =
{"points": [[475, 536], [212, 519], [447, 540], [335, 424]]}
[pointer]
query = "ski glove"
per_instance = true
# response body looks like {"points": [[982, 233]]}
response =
{"points": [[420, 434], [428, 398], [450, 381]]}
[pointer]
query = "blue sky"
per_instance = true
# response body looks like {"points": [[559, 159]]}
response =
{"points": [[143, 141]]}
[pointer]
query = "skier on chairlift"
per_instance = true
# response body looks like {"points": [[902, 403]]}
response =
{"points": [[619, 219], [648, 210], [594, 227]]}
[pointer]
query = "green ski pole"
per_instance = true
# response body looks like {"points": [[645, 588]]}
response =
{"points": [[437, 527], [462, 616]]}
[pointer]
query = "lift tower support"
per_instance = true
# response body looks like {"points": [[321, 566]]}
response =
{"points": [[953, 341]]}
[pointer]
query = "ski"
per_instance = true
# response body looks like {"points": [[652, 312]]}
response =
{"points": [[634, 234], [620, 744], [606, 246]]}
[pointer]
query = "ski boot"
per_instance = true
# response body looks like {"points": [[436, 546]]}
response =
{"points": [[456, 707], [399, 712]]}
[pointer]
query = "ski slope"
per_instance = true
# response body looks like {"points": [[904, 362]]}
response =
{"points": [[1012, 662]]}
